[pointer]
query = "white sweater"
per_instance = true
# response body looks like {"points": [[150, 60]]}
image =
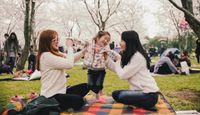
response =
{"points": [[52, 67], [136, 73]]}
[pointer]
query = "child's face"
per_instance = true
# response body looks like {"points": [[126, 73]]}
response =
{"points": [[103, 41]]}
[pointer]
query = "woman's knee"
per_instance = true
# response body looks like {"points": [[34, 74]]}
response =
{"points": [[115, 95], [78, 103], [84, 86], [75, 102], [69, 101]]}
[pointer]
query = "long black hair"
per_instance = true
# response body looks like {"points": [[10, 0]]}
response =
{"points": [[131, 38], [15, 40]]}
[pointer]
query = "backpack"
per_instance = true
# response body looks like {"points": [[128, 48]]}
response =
{"points": [[41, 106]]}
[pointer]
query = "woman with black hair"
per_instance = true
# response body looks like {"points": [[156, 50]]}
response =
{"points": [[134, 67], [11, 48]]}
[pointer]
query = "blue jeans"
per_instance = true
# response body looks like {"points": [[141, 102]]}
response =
{"points": [[96, 79], [136, 98]]}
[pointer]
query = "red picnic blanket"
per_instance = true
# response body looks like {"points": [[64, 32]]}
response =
{"points": [[110, 107]]}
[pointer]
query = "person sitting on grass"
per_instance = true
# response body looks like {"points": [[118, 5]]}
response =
{"points": [[166, 65], [134, 67], [5, 69], [52, 64], [185, 57]]}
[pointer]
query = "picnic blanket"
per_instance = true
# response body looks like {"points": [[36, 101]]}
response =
{"points": [[110, 107]]}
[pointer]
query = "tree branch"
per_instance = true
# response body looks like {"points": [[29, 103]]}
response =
{"points": [[111, 13], [99, 12], [184, 10], [108, 6], [115, 29], [90, 13], [175, 22]]}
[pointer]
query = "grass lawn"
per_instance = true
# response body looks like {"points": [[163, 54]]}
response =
{"points": [[182, 92]]}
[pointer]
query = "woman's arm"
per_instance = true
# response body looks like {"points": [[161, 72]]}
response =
{"points": [[110, 64], [57, 62], [172, 67], [133, 67], [114, 55], [80, 54]]}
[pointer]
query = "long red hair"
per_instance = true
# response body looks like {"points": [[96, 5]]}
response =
{"points": [[45, 45]]}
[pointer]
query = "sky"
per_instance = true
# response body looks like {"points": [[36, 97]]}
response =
{"points": [[150, 21]]}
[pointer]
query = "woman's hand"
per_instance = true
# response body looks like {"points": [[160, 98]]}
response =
{"points": [[84, 50], [86, 44], [69, 42]]}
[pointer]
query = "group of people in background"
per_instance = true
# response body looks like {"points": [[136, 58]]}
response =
{"points": [[170, 63], [173, 63], [11, 49], [11, 52]]}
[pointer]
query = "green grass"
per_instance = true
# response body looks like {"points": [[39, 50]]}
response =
{"points": [[182, 92]]}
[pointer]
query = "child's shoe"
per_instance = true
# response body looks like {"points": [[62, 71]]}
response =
{"points": [[101, 100]]}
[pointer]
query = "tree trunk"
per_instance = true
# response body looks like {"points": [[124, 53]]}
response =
{"points": [[32, 25], [103, 25], [187, 9], [194, 24], [35, 36], [24, 56]]}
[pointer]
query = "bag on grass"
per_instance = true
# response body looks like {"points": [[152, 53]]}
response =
{"points": [[35, 75], [185, 67], [40, 105]]}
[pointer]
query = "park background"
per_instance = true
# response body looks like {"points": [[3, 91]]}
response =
{"points": [[158, 23]]}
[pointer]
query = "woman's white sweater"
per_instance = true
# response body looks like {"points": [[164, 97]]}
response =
{"points": [[52, 67], [136, 73]]}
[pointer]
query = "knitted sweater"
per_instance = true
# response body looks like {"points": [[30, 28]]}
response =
{"points": [[136, 73], [96, 60], [52, 67]]}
